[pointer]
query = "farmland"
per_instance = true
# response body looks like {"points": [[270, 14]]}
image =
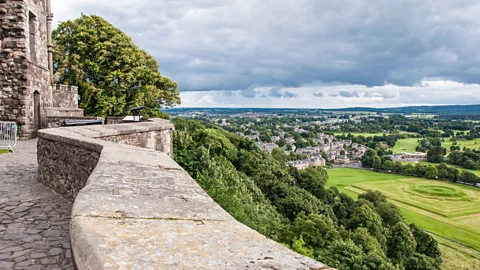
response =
{"points": [[448, 210]]}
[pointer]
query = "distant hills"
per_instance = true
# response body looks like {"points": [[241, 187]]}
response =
{"points": [[447, 109]]}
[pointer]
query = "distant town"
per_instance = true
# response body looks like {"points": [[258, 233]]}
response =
{"points": [[325, 139]]}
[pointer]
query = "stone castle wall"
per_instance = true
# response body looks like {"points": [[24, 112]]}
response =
{"points": [[23, 67], [136, 208], [13, 60], [65, 96], [159, 140]]}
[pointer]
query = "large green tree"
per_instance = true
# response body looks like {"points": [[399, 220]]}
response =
{"points": [[111, 72]]}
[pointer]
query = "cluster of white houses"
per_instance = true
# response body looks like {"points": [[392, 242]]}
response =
{"points": [[338, 152], [309, 162]]}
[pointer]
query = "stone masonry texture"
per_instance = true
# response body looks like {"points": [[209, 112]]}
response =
{"points": [[69, 164], [26, 93], [65, 96], [140, 210], [23, 71], [34, 221]]}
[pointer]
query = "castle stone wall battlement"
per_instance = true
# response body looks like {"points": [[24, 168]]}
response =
{"points": [[136, 208], [65, 96]]}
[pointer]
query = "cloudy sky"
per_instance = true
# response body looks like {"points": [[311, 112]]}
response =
{"points": [[304, 53]]}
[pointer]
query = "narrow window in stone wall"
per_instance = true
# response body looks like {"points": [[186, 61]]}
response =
{"points": [[33, 33]]}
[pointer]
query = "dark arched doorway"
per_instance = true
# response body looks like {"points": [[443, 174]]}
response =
{"points": [[36, 111]]}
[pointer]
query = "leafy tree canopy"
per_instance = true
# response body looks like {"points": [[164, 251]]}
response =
{"points": [[111, 72]]}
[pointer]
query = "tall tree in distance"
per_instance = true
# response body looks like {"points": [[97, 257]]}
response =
{"points": [[111, 72]]}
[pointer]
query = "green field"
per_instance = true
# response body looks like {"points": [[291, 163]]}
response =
{"points": [[446, 209], [405, 146], [472, 144], [476, 172], [457, 256], [3, 151], [409, 145]]}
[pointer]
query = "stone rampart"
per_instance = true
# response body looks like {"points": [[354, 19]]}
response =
{"points": [[65, 96], [135, 208]]}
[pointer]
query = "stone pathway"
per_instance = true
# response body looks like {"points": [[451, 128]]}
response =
{"points": [[33, 219]]}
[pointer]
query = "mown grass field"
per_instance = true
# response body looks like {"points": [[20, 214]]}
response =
{"points": [[472, 144], [405, 146], [445, 209], [409, 145], [457, 256]]}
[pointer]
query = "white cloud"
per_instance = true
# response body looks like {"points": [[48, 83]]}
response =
{"points": [[307, 46], [340, 96]]}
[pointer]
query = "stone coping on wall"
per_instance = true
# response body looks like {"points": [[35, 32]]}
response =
{"points": [[140, 210]]}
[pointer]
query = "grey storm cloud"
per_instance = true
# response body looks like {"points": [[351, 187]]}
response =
{"points": [[249, 92], [277, 93], [228, 93], [385, 95], [348, 94], [318, 94], [216, 44]]}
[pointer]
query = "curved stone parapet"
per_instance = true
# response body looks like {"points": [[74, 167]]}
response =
{"points": [[135, 208]]}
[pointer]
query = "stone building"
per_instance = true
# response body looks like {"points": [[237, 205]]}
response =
{"points": [[27, 93]]}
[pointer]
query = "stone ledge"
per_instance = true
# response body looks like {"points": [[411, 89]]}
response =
{"points": [[140, 210]]}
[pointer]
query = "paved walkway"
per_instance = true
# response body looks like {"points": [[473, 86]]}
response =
{"points": [[33, 219]]}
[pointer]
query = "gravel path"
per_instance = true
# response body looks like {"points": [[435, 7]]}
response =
{"points": [[33, 219]]}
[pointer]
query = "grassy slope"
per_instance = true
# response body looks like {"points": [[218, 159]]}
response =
{"points": [[472, 144], [409, 145], [457, 256], [342, 178], [405, 145]]}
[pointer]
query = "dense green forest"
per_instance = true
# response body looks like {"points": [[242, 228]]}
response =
{"points": [[296, 209]]}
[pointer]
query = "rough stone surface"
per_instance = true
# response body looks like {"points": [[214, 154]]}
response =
{"points": [[65, 96], [24, 71], [64, 168], [141, 210], [34, 221], [159, 140]]}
